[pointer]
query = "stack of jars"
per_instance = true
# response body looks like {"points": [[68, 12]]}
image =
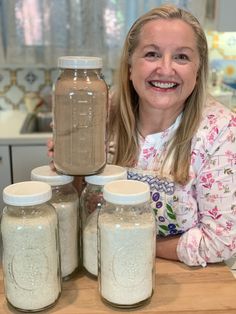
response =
{"points": [[40, 232], [40, 221], [40, 228], [40, 238]]}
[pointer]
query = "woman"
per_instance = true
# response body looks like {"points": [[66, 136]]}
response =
{"points": [[169, 133]]}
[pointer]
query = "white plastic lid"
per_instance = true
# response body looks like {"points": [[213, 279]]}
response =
{"points": [[79, 62], [126, 192], [46, 174], [110, 173], [27, 193]]}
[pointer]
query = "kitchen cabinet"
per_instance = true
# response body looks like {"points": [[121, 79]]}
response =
{"points": [[19, 153], [225, 20], [25, 158], [17, 161]]}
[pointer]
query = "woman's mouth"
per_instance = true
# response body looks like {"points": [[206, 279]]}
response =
{"points": [[163, 85]]}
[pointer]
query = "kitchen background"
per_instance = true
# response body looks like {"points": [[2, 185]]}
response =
{"points": [[34, 33]]}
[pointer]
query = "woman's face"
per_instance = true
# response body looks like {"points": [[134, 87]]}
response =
{"points": [[164, 65]]}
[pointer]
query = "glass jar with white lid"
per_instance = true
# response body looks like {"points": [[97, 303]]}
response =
{"points": [[65, 201], [31, 262], [90, 204], [126, 244], [80, 99]]}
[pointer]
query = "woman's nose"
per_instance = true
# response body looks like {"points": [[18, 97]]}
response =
{"points": [[165, 65]]}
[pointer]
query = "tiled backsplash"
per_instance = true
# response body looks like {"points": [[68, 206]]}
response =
{"points": [[16, 83], [222, 54]]}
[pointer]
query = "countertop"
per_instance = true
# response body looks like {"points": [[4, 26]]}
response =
{"points": [[179, 290], [10, 125]]}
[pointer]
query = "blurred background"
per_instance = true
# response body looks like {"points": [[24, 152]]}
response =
{"points": [[34, 33]]}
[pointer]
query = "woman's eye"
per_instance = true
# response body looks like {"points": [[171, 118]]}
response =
{"points": [[152, 55], [181, 57]]}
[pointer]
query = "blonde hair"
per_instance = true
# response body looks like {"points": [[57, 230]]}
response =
{"points": [[123, 122]]}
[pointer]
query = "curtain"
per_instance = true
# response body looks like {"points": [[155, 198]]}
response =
{"points": [[1, 35], [39, 31]]}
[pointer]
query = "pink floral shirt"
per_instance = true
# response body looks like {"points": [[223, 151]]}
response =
{"points": [[204, 210]]}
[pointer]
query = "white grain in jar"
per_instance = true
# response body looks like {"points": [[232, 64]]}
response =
{"points": [[90, 203], [65, 201], [31, 263], [126, 244]]}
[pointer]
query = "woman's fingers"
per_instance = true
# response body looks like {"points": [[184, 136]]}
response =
{"points": [[50, 147], [52, 166]]}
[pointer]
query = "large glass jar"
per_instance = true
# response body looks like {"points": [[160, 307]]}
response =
{"points": [[65, 200], [79, 116], [31, 262], [126, 244], [90, 203]]}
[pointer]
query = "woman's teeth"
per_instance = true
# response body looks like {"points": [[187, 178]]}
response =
{"points": [[163, 85]]}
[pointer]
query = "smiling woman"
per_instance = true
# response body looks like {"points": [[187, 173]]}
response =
{"points": [[163, 70], [169, 133]]}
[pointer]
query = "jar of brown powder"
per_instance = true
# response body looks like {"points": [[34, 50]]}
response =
{"points": [[79, 116]]}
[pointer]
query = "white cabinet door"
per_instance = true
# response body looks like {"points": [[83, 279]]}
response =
{"points": [[5, 171], [225, 15], [25, 158]]}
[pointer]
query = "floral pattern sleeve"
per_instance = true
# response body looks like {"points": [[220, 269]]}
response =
{"points": [[213, 172]]}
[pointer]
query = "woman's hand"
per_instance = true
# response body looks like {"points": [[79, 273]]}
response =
{"points": [[166, 247], [50, 148], [50, 152]]}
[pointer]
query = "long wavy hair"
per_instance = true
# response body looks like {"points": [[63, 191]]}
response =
{"points": [[124, 113]]}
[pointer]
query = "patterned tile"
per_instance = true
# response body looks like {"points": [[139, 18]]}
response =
{"points": [[226, 67], [222, 54], [5, 80], [16, 82], [31, 80], [4, 104], [14, 95]]}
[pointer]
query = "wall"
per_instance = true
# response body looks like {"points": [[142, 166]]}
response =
{"points": [[19, 82]]}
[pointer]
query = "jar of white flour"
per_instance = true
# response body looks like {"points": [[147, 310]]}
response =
{"points": [[31, 262], [90, 203], [126, 244], [65, 200]]}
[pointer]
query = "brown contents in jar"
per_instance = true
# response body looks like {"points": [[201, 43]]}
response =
{"points": [[80, 110]]}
